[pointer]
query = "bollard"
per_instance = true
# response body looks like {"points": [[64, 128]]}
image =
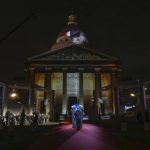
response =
{"points": [[123, 126], [146, 126]]}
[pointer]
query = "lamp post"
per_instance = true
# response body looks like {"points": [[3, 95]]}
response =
{"points": [[28, 95], [13, 94], [142, 99], [143, 104]]}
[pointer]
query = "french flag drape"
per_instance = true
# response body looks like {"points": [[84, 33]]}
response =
{"points": [[72, 33]]}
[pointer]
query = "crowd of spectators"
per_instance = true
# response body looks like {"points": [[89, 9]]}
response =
{"points": [[22, 119]]}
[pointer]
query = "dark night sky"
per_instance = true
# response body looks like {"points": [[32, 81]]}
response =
{"points": [[119, 28]]}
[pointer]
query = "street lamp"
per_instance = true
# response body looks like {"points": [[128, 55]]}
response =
{"points": [[132, 94], [13, 94]]}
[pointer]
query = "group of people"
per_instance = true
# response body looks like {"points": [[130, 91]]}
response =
{"points": [[11, 120]]}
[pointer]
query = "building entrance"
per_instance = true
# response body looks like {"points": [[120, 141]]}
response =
{"points": [[72, 89], [71, 101]]}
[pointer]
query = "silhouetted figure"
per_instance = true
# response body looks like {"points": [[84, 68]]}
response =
{"points": [[36, 118], [29, 119], [17, 119], [2, 123], [45, 118], [22, 118], [78, 117], [7, 116], [12, 120]]}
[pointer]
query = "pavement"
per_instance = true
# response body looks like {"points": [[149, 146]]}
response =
{"points": [[90, 137]]}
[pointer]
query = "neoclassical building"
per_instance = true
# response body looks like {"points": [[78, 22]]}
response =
{"points": [[71, 72]]}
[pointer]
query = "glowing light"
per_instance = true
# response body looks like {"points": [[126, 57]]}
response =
{"points": [[13, 95], [132, 94], [129, 107]]}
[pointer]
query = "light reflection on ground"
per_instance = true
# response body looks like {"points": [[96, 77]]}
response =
{"points": [[90, 137]]}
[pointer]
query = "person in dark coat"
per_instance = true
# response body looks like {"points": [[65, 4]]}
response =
{"points": [[22, 118], [7, 116]]}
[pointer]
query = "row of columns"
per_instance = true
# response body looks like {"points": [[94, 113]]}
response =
{"points": [[48, 89]]}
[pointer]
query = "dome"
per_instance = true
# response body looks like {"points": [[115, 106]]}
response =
{"points": [[71, 33]]}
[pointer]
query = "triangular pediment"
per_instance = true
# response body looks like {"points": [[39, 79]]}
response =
{"points": [[72, 53]]}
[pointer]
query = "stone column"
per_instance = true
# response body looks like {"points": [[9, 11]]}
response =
{"points": [[116, 92], [112, 93], [47, 92], [31, 101], [98, 84], [64, 103], [98, 93], [81, 89]]}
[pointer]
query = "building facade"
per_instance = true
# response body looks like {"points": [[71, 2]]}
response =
{"points": [[71, 72]]}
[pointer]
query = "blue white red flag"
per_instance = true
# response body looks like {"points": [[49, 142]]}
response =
{"points": [[72, 33]]}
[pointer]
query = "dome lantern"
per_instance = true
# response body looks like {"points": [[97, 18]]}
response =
{"points": [[72, 20], [71, 34]]}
